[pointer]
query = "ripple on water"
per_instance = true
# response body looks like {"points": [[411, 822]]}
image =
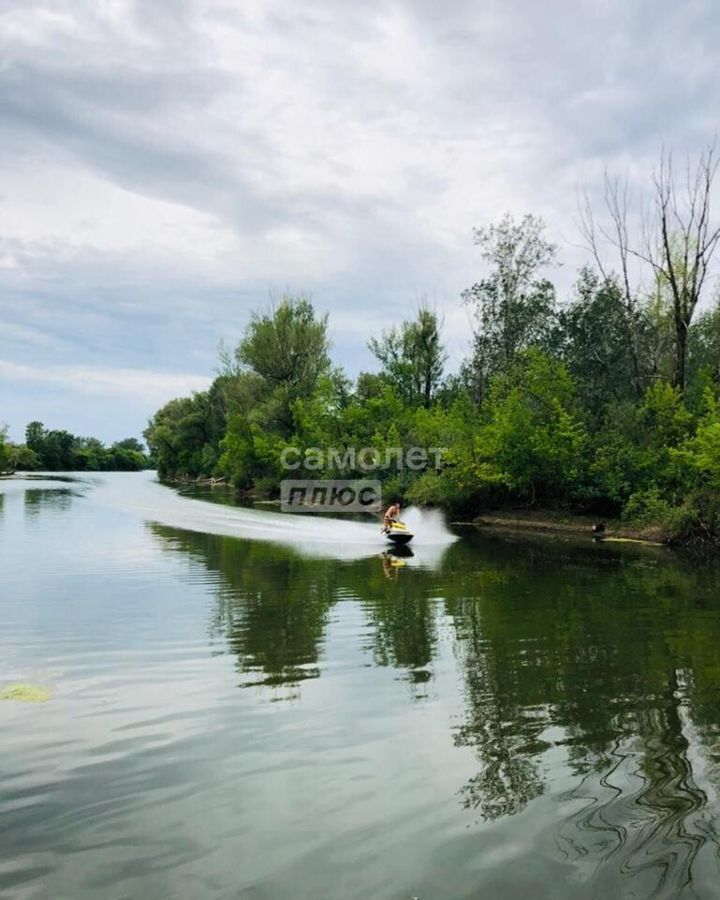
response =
{"points": [[235, 718]]}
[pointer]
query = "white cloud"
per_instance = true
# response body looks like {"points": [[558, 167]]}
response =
{"points": [[148, 386], [164, 165]]}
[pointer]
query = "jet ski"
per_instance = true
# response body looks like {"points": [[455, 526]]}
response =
{"points": [[398, 533]]}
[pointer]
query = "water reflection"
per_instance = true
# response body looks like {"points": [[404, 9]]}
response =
{"points": [[395, 559], [641, 809], [273, 606], [619, 671], [597, 663], [403, 618], [43, 501]]}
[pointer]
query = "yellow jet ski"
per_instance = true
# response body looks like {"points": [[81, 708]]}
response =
{"points": [[398, 533]]}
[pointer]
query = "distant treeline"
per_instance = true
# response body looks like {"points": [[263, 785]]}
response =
{"points": [[608, 402], [58, 451]]}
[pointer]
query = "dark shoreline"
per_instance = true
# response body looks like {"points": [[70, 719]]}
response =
{"points": [[572, 525]]}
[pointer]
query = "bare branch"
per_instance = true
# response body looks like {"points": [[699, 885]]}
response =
{"points": [[587, 228], [678, 237]]}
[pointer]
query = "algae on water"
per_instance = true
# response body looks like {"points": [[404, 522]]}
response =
{"points": [[26, 693]]}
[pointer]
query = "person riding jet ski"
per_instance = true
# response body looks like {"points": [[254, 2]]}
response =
{"points": [[392, 514]]}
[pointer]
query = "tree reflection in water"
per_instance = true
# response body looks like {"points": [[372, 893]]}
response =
{"points": [[613, 658], [594, 667], [271, 605], [41, 502]]}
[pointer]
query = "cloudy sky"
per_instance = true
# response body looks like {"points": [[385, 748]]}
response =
{"points": [[169, 165]]}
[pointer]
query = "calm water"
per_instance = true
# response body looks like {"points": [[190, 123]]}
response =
{"points": [[250, 705]]}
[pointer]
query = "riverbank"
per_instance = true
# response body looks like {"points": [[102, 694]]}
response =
{"points": [[550, 521], [659, 531]]}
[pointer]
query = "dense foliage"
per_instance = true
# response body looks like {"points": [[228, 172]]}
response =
{"points": [[575, 405], [60, 451]]}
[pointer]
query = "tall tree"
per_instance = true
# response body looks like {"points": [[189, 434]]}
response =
{"points": [[35, 435], [687, 242], [413, 357], [286, 350], [513, 306], [185, 434], [593, 338], [677, 241], [427, 355], [616, 203], [4, 450]]}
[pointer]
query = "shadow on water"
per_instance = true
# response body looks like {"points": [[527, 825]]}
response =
{"points": [[589, 678], [41, 502]]}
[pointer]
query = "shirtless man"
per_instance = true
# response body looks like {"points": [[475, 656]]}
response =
{"points": [[392, 514]]}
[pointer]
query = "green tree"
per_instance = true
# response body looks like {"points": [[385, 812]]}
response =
{"points": [[596, 347], [635, 451], [413, 357], [278, 368], [513, 306], [452, 483], [58, 451], [286, 350], [35, 437], [704, 347], [130, 443], [122, 459], [25, 459], [701, 451], [5, 454], [184, 436], [533, 441], [90, 454]]}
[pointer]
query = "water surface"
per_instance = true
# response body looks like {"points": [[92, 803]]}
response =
{"points": [[251, 705]]}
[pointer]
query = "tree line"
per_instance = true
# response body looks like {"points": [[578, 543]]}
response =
{"points": [[606, 402], [60, 451]]}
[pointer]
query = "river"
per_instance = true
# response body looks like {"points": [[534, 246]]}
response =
{"points": [[246, 704]]}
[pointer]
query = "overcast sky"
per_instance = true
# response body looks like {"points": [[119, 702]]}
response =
{"points": [[168, 165]]}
